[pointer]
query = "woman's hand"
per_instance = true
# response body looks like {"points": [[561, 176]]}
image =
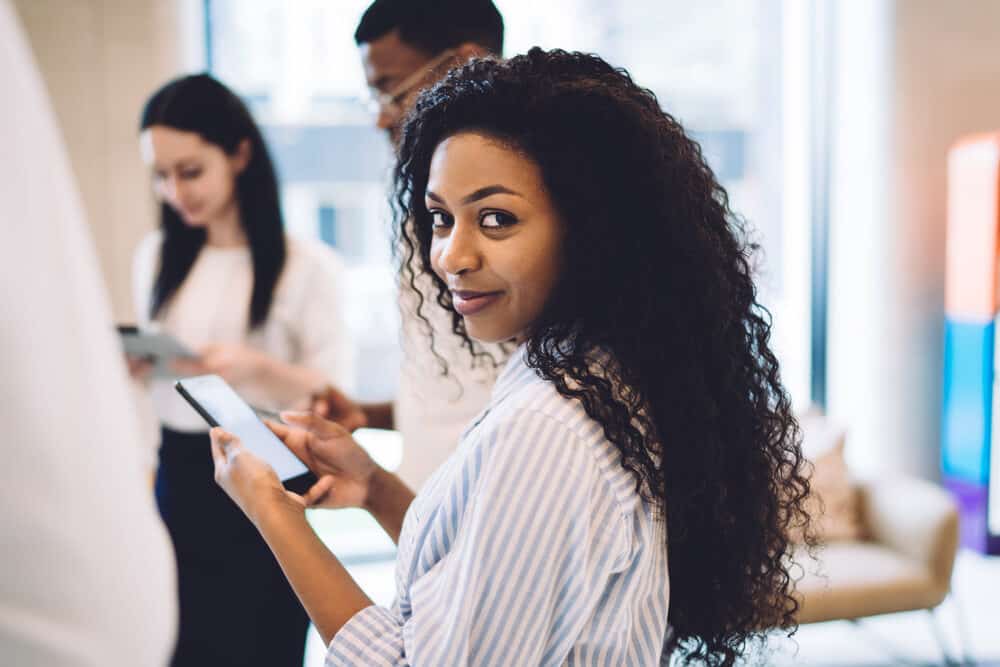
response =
{"points": [[248, 480], [234, 362], [335, 405], [139, 368], [343, 467]]}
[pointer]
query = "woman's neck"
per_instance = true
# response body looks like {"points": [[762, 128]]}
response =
{"points": [[226, 231]]}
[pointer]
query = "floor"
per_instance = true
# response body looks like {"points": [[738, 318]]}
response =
{"points": [[909, 638], [896, 639]]}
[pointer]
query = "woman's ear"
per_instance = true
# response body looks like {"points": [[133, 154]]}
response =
{"points": [[467, 51], [241, 158]]}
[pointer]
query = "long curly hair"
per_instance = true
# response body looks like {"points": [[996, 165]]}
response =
{"points": [[658, 276]]}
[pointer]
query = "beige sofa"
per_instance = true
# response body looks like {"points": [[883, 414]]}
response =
{"points": [[903, 561]]}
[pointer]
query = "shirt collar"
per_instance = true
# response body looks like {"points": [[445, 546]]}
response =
{"points": [[514, 373]]}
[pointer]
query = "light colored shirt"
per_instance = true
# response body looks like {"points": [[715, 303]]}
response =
{"points": [[530, 546], [305, 326], [431, 409], [86, 568]]}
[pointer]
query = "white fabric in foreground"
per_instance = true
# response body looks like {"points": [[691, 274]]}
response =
{"points": [[87, 573]]}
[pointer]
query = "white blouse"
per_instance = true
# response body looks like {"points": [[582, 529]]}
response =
{"points": [[305, 326]]}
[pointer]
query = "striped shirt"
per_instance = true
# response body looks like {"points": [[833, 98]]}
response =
{"points": [[529, 546]]}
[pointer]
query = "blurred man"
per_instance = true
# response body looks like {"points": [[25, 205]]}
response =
{"points": [[405, 46], [87, 572]]}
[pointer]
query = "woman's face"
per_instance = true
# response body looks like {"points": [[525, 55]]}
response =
{"points": [[194, 177], [496, 238]]}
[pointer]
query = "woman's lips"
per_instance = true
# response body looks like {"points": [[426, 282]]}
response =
{"points": [[468, 302]]}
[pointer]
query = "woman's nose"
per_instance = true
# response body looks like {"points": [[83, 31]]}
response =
{"points": [[461, 250]]}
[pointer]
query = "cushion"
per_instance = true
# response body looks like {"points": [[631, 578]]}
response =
{"points": [[833, 500]]}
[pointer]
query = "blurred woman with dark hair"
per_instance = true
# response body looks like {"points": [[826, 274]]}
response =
{"points": [[263, 311], [628, 492]]}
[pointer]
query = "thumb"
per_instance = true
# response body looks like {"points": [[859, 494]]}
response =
{"points": [[297, 498], [318, 491], [300, 418], [224, 445]]}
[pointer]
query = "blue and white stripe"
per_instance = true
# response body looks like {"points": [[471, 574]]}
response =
{"points": [[529, 546]]}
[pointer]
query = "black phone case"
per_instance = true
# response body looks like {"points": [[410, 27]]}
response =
{"points": [[300, 484]]}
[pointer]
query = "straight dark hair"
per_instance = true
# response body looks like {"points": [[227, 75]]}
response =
{"points": [[202, 105]]}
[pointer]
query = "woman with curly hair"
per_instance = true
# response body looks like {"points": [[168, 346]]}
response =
{"points": [[627, 493]]}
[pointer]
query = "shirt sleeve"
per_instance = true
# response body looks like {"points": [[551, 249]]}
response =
{"points": [[532, 555], [326, 341]]}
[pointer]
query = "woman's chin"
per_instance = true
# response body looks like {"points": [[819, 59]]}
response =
{"points": [[489, 335], [194, 221]]}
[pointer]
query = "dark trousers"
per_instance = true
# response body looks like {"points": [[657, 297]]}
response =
{"points": [[236, 607]]}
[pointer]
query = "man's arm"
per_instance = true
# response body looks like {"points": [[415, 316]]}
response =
{"points": [[379, 415]]}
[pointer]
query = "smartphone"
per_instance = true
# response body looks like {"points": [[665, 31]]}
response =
{"points": [[219, 405]]}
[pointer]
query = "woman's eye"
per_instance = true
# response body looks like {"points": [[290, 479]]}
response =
{"points": [[440, 219], [497, 220], [191, 174]]}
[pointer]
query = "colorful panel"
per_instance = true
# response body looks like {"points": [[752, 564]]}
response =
{"points": [[968, 392], [971, 499], [971, 271]]}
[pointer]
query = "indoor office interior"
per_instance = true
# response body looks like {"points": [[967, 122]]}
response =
{"points": [[858, 139]]}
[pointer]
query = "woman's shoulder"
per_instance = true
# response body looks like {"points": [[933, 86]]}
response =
{"points": [[528, 392], [538, 411], [312, 257], [310, 264]]}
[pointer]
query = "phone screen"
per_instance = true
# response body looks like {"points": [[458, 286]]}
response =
{"points": [[220, 405]]}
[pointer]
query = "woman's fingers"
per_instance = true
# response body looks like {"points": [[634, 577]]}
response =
{"points": [[224, 444], [302, 419], [313, 423], [187, 366], [318, 491], [278, 428], [218, 456], [294, 439]]}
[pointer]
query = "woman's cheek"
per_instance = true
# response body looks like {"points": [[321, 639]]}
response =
{"points": [[435, 256]]}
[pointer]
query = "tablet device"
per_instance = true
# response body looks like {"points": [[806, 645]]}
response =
{"points": [[219, 405], [159, 348]]}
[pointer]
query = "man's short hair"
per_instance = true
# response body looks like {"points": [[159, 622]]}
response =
{"points": [[436, 25]]}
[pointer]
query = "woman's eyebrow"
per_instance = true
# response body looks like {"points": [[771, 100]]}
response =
{"points": [[481, 193]]}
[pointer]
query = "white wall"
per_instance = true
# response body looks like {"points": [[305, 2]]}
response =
{"points": [[100, 60], [913, 76]]}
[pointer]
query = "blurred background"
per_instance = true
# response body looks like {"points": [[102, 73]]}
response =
{"points": [[829, 123]]}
